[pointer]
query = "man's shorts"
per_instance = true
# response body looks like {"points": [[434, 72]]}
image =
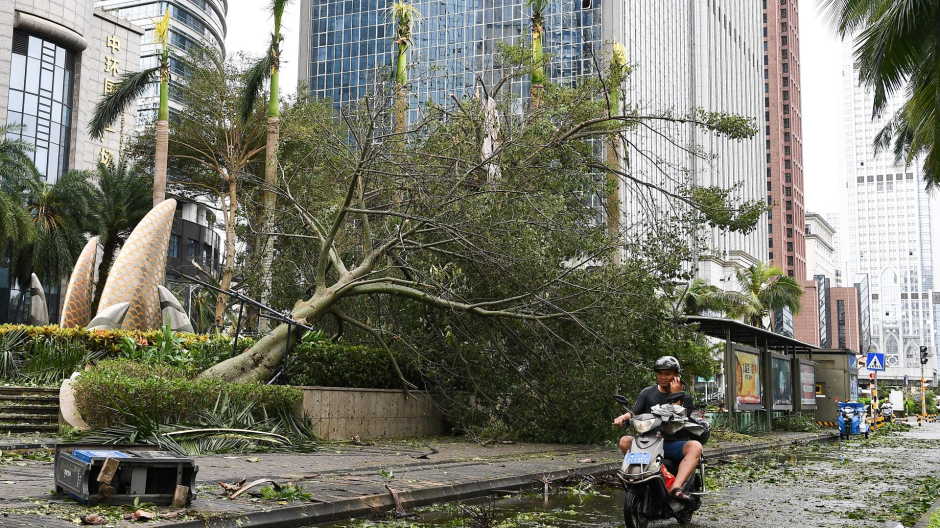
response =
{"points": [[673, 450]]}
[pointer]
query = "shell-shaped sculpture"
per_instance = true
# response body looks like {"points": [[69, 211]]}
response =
{"points": [[38, 309], [140, 267], [80, 294], [110, 318], [173, 312]]}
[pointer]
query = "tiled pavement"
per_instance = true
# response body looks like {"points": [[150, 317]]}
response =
{"points": [[344, 480]]}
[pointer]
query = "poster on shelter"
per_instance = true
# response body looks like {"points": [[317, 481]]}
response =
{"points": [[781, 381], [807, 384], [747, 372]]}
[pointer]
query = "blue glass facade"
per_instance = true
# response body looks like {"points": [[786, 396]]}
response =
{"points": [[351, 47]]}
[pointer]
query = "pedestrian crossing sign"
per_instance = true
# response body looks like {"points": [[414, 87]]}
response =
{"points": [[875, 361]]}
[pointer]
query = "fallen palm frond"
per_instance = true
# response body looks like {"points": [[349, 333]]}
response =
{"points": [[225, 428]]}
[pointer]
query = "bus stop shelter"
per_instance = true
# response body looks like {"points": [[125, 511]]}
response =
{"points": [[763, 371]]}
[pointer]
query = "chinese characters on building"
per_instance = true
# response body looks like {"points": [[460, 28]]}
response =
{"points": [[112, 67]]}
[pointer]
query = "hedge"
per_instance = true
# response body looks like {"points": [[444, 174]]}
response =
{"points": [[165, 393], [193, 352], [325, 364]]}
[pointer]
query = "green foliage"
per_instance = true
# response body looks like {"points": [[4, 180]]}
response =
{"points": [[287, 493], [48, 354], [163, 393], [720, 208], [322, 363]]}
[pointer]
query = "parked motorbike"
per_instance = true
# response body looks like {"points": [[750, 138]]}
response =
{"points": [[852, 419], [646, 474]]}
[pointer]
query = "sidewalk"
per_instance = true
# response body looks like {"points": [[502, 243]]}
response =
{"points": [[345, 481]]}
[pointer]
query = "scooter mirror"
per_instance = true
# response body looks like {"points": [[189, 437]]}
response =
{"points": [[675, 397], [623, 401]]}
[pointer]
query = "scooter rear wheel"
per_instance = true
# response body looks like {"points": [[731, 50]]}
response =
{"points": [[636, 508]]}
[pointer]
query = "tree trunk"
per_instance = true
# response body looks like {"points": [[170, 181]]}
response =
{"points": [[613, 200], [261, 362], [228, 270], [159, 171], [270, 180], [107, 258], [401, 113], [538, 74]]}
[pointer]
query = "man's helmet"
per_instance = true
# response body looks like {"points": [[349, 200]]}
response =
{"points": [[667, 363]]}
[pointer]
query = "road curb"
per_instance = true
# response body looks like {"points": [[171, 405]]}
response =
{"points": [[925, 518], [21, 448], [310, 514]]}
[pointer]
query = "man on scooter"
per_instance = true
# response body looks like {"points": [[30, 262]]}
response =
{"points": [[677, 447]]}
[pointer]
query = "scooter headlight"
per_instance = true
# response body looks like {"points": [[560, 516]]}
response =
{"points": [[643, 426]]}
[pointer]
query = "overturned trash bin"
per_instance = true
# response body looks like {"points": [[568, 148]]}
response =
{"points": [[118, 474]]}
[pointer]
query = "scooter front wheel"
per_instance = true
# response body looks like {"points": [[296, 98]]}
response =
{"points": [[636, 508]]}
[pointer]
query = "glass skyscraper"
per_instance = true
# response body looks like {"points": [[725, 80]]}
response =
{"points": [[683, 54], [346, 45]]}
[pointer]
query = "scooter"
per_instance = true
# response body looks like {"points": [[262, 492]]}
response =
{"points": [[887, 412], [643, 477]]}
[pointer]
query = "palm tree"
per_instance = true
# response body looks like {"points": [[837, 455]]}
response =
{"points": [[58, 213], [268, 68], [618, 70], [16, 228], [120, 202], [406, 19], [897, 49], [538, 52], [131, 86], [762, 289]]}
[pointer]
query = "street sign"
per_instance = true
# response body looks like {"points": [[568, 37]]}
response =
{"points": [[875, 361]]}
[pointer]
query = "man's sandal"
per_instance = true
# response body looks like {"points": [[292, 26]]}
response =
{"points": [[680, 496]]}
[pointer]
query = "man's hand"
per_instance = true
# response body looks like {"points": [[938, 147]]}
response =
{"points": [[618, 421], [675, 385]]}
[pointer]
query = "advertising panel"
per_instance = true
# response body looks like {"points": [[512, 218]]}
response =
{"points": [[807, 385], [781, 381], [747, 376]]}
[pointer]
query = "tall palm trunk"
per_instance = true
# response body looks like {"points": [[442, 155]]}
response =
{"points": [[618, 69], [163, 131], [613, 200], [228, 270], [270, 180], [538, 76], [107, 258], [401, 97]]}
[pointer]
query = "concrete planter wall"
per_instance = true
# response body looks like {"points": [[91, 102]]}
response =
{"points": [[340, 413]]}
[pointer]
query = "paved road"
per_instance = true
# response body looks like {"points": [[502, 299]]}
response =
{"points": [[337, 474], [878, 481]]}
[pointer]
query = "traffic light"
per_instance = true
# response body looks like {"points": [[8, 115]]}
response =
{"points": [[923, 355]]}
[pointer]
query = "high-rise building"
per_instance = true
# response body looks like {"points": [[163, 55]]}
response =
{"points": [[57, 57], [683, 53], [820, 253], [783, 125], [890, 238], [192, 23], [838, 259]]}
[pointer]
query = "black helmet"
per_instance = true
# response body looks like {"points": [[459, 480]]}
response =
{"points": [[667, 363]]}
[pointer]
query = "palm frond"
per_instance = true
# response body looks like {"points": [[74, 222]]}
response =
{"points": [[254, 83], [131, 86], [161, 30]]}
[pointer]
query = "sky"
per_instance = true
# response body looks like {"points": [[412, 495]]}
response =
{"points": [[249, 29]]}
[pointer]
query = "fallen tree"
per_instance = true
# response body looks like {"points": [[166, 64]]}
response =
{"points": [[421, 218]]}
